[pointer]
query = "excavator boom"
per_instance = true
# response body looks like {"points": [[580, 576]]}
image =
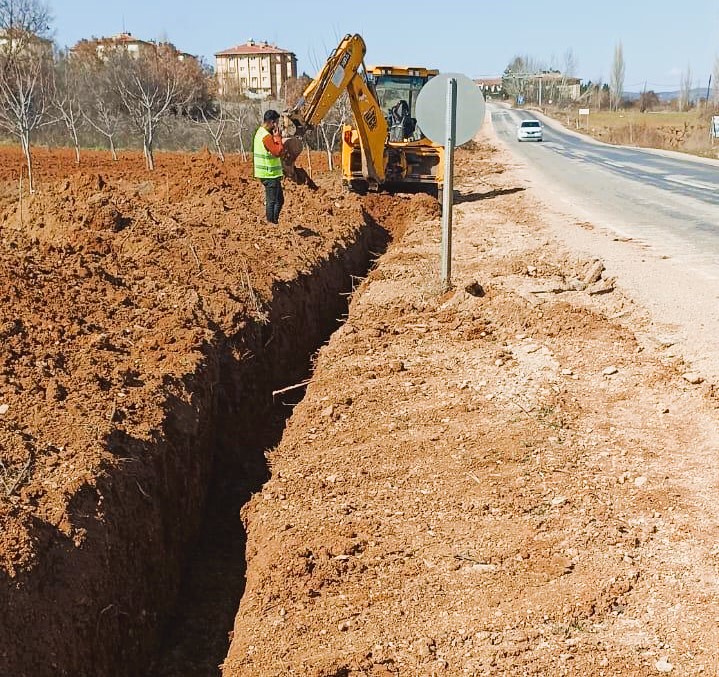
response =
{"points": [[340, 74]]}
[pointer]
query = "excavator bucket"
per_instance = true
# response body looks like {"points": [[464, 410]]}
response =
{"points": [[292, 149]]}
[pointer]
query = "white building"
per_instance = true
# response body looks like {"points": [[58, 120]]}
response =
{"points": [[255, 69]]}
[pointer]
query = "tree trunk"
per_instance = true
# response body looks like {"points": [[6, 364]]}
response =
{"points": [[149, 158], [220, 154], [147, 149], [113, 152], [76, 142], [25, 140]]}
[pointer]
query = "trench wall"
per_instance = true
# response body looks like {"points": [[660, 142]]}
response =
{"points": [[97, 609]]}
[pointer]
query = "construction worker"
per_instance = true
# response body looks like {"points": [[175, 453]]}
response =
{"points": [[267, 151]]}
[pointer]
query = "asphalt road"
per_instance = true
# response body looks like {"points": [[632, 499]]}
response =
{"points": [[665, 200]]}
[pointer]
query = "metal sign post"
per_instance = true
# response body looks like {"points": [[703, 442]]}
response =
{"points": [[450, 111], [585, 112], [714, 130], [448, 191]]}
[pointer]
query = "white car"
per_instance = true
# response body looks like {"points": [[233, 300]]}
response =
{"points": [[530, 130]]}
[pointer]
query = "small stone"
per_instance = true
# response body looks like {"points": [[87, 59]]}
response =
{"points": [[328, 411], [396, 366], [567, 372], [610, 371], [4, 409], [425, 647], [594, 273], [498, 363], [640, 481], [532, 271], [344, 626], [692, 377], [663, 665], [559, 500], [483, 568]]}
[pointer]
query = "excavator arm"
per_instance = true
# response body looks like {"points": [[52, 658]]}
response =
{"points": [[341, 73]]}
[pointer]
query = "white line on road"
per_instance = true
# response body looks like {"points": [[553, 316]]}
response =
{"points": [[643, 168], [692, 183]]}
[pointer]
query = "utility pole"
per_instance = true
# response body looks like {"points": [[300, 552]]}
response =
{"points": [[709, 85]]}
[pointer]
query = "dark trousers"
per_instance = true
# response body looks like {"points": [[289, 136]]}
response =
{"points": [[274, 198]]}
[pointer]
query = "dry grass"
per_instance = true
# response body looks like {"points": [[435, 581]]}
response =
{"points": [[670, 130]]}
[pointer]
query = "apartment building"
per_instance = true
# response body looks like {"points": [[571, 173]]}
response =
{"points": [[126, 41], [14, 41], [255, 70]]}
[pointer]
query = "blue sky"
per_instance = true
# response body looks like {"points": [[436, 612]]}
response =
{"points": [[660, 38]]}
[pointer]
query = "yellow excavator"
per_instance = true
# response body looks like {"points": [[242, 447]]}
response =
{"points": [[384, 147]]}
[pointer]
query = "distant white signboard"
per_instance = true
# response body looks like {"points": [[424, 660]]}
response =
{"points": [[584, 111], [715, 126]]}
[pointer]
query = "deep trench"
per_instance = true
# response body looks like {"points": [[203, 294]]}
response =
{"points": [[249, 422]]}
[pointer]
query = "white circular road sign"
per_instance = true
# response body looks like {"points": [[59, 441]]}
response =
{"points": [[431, 110]]}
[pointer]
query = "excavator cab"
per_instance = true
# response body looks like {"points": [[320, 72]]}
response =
{"points": [[397, 95]]}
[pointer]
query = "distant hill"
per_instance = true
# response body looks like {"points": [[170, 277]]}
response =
{"points": [[695, 94]]}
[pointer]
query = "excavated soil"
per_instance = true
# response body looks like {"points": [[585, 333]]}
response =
{"points": [[512, 477], [145, 320]]}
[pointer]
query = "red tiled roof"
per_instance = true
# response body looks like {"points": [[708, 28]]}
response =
{"points": [[252, 48]]}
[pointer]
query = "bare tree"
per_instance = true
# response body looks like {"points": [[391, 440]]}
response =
{"points": [[215, 122], [25, 72], [292, 90], [616, 80], [648, 101], [246, 118], [22, 22], [520, 77], [685, 88], [152, 86], [101, 107], [569, 71], [331, 125], [66, 101]]}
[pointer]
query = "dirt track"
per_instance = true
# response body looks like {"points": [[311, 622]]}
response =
{"points": [[463, 490]]}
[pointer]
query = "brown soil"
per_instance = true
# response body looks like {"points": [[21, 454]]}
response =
{"points": [[504, 479], [508, 478], [134, 308]]}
